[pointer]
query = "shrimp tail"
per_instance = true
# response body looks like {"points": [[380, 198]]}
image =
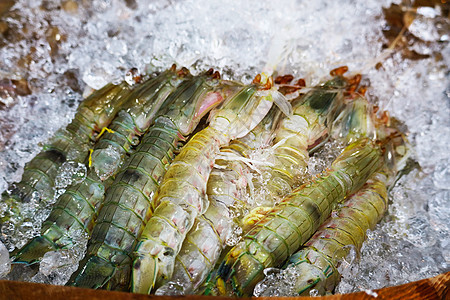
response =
{"points": [[144, 267], [96, 273], [34, 251]]}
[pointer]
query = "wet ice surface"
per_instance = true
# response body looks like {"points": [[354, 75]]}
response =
{"points": [[60, 57], [56, 267], [5, 263]]}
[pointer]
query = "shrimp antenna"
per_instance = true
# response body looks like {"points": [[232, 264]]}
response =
{"points": [[408, 18]]}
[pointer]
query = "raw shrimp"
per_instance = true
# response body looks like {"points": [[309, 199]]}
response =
{"points": [[76, 208], [315, 265], [68, 144], [226, 187], [310, 123], [126, 208], [308, 126], [181, 196]]}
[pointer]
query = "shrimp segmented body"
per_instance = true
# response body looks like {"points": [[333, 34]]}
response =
{"points": [[76, 208], [182, 195], [316, 263], [313, 114], [227, 185], [126, 207], [68, 144], [292, 221]]}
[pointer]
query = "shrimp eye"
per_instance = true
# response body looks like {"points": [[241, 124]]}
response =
{"points": [[137, 264], [168, 252]]}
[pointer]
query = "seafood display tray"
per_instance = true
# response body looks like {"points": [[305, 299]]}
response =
{"points": [[437, 287], [60, 52]]}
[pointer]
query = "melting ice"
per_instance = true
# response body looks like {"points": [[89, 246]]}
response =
{"points": [[65, 49]]}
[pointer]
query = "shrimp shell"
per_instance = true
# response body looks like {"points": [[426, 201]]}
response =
{"points": [[316, 263], [78, 205], [126, 208], [291, 222]]}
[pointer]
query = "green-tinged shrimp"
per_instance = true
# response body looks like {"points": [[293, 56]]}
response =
{"points": [[315, 265], [182, 195], [292, 221], [227, 185], [298, 131], [68, 144], [127, 203], [76, 208], [130, 124], [313, 114]]}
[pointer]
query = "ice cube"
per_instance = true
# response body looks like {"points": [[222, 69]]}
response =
{"points": [[5, 262], [424, 28], [117, 47], [98, 74], [70, 173], [106, 161], [441, 175]]}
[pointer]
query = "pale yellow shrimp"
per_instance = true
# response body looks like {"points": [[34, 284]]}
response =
{"points": [[182, 195]]}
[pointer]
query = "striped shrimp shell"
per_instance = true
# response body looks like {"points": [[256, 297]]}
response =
{"points": [[76, 208], [126, 208]]}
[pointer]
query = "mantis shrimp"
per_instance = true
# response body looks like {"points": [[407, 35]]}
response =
{"points": [[316, 263], [67, 144], [133, 122], [297, 132], [313, 114], [126, 207], [292, 221], [76, 208], [226, 186], [181, 196]]}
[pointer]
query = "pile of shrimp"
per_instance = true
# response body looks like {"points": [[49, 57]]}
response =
{"points": [[197, 185]]}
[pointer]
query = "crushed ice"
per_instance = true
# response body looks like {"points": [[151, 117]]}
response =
{"points": [[57, 266], [70, 173], [61, 58], [5, 262]]}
